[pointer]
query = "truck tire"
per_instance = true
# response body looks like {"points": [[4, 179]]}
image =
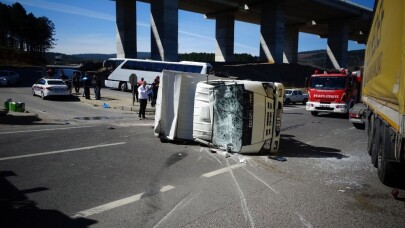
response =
{"points": [[370, 134], [123, 87], [304, 101], [386, 170], [359, 126], [314, 113], [377, 142]]}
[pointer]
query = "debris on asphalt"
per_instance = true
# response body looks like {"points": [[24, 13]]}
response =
{"points": [[221, 152], [241, 158], [278, 158], [105, 105], [395, 193]]}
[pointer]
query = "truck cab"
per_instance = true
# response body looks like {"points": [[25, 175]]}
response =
{"points": [[332, 92]]}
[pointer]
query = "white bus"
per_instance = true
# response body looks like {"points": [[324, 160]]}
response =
{"points": [[122, 68]]}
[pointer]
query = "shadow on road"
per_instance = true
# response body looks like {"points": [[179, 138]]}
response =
{"points": [[64, 98], [17, 210], [322, 115], [289, 147], [22, 120]]}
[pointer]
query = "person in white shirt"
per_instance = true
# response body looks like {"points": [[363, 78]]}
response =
{"points": [[143, 99]]}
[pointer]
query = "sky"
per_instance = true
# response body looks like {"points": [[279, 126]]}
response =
{"points": [[88, 26]]}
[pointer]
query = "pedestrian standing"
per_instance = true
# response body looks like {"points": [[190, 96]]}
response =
{"points": [[135, 86], [140, 83], [97, 87], [155, 89], [76, 82], [86, 86], [143, 99]]}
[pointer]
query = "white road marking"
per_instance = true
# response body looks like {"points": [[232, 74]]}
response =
{"points": [[267, 185], [210, 154], [184, 202], [61, 151], [245, 208], [115, 204], [223, 170], [304, 221], [48, 129]]}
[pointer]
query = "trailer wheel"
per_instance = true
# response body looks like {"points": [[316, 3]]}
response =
{"points": [[359, 126], [386, 170], [377, 142], [371, 134], [123, 87], [314, 113]]}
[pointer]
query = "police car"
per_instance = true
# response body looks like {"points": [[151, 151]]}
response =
{"points": [[50, 87]]}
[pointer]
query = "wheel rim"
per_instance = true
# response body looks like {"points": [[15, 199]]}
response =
{"points": [[123, 87]]}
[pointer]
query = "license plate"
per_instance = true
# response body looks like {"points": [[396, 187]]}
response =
{"points": [[324, 106]]}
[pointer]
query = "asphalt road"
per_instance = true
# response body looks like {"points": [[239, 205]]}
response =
{"points": [[58, 169]]}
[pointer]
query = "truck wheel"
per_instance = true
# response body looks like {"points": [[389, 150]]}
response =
{"points": [[359, 126], [123, 87], [314, 113], [371, 134], [304, 101], [386, 170], [377, 142], [287, 101]]}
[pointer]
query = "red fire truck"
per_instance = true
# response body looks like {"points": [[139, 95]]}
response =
{"points": [[334, 91]]}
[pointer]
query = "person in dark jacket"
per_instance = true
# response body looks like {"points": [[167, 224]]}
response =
{"points": [[155, 89], [76, 82], [97, 87]]}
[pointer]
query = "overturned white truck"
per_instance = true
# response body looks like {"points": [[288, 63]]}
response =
{"points": [[234, 115]]}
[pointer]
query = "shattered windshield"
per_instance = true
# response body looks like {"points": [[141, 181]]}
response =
{"points": [[328, 83]]}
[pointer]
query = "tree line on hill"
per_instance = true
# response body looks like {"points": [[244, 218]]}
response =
{"points": [[22, 33]]}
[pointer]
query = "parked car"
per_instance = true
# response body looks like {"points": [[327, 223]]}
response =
{"points": [[50, 87], [8, 77], [294, 96]]}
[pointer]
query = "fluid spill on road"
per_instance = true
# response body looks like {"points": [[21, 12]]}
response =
{"points": [[98, 118]]}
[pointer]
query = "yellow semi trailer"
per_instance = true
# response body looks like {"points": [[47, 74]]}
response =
{"points": [[383, 92]]}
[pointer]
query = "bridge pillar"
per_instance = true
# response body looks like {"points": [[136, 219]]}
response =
{"points": [[338, 37], [224, 35], [164, 30], [126, 28], [272, 28], [291, 44]]}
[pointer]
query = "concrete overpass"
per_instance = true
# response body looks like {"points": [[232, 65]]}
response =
{"points": [[280, 22]]}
